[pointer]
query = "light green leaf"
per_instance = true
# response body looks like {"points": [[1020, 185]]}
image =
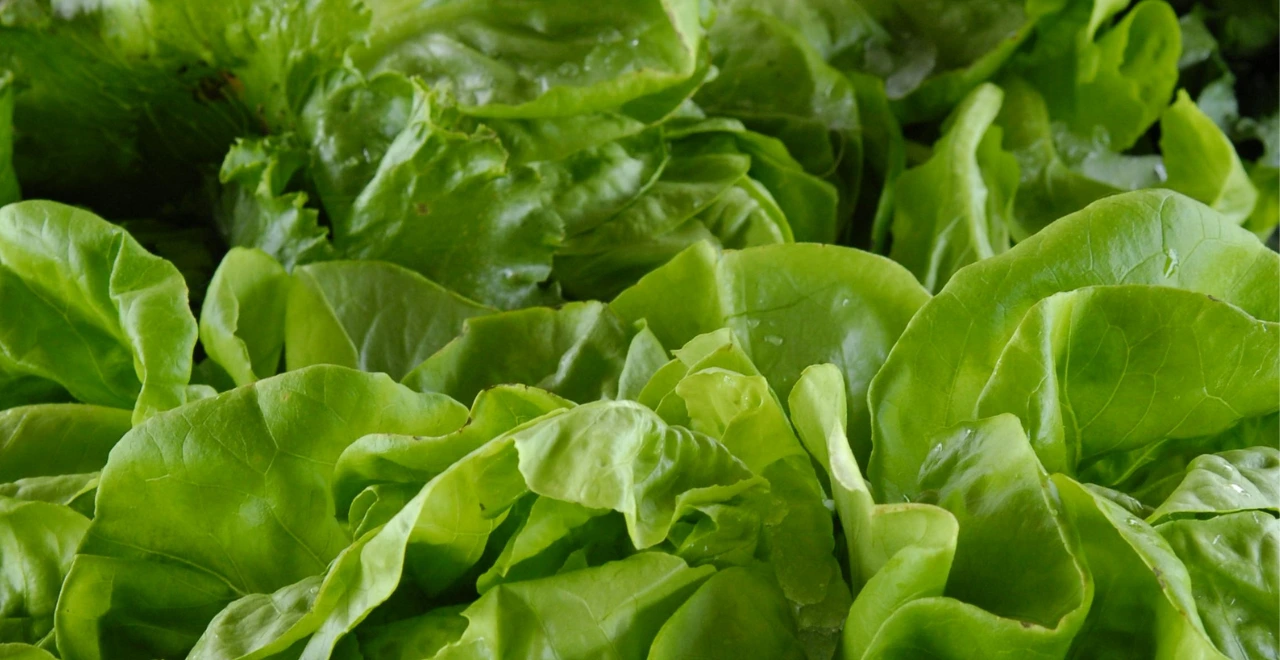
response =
{"points": [[649, 471], [75, 491], [553, 531], [435, 538], [645, 356], [115, 331], [576, 351], [744, 415], [24, 652], [57, 439], [957, 208], [1107, 83], [1108, 369], [225, 497], [243, 317], [1143, 604], [1151, 473], [37, 540], [612, 611], [1202, 163], [737, 613], [542, 59], [954, 343], [986, 474], [1232, 561], [415, 460], [370, 316], [1240, 480], [791, 306]]}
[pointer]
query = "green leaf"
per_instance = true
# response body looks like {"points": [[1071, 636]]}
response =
{"points": [[1106, 83], [986, 474], [438, 182], [954, 343], [1202, 163], [551, 533], [37, 540], [1143, 604], [256, 210], [56, 439], [371, 316], [885, 151], [576, 351], [80, 76], [24, 652], [931, 54], [435, 538], [542, 59], [705, 191], [1151, 473], [956, 208], [277, 51], [1109, 369], [898, 553], [744, 415], [612, 611], [1240, 480], [415, 460], [737, 613], [10, 191], [791, 305], [164, 554], [1050, 187], [75, 491], [811, 107], [649, 471], [413, 638], [1266, 212], [101, 317], [242, 320], [645, 356], [1232, 561]]}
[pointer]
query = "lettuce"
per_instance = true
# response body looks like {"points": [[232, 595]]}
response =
{"points": [[659, 329]]}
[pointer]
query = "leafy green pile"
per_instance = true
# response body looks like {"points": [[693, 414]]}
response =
{"points": [[644, 329]]}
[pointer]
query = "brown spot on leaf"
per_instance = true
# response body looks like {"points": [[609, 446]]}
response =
{"points": [[219, 86]]}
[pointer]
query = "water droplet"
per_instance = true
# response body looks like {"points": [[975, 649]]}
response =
{"points": [[773, 340], [753, 323], [844, 302], [1170, 262], [1216, 539], [567, 70], [635, 42], [1133, 522], [1237, 488]]}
